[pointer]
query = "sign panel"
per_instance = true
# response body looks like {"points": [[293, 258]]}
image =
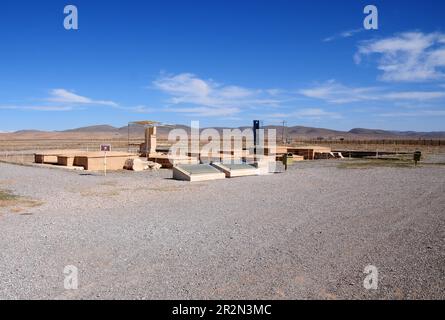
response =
{"points": [[105, 147]]}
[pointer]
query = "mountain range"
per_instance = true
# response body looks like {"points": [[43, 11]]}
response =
{"points": [[295, 132]]}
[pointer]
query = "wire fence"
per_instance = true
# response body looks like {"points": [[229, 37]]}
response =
{"points": [[22, 151], [417, 142]]}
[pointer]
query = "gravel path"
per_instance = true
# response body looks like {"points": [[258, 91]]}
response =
{"points": [[304, 234]]}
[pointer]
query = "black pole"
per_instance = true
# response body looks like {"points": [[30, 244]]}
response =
{"points": [[256, 128]]}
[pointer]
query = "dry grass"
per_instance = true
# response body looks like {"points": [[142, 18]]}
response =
{"points": [[6, 196], [376, 163], [16, 203], [399, 161], [385, 148]]}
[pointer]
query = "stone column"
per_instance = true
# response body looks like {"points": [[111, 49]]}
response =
{"points": [[150, 140]]}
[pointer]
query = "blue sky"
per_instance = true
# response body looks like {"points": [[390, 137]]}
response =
{"points": [[223, 63]]}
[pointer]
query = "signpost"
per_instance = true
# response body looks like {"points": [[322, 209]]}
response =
{"points": [[105, 148]]}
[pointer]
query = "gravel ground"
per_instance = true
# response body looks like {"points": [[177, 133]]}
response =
{"points": [[304, 234]]}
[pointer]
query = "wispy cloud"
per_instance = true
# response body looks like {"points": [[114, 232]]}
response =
{"points": [[206, 111], [138, 109], [343, 34], [208, 98], [409, 56], [414, 95], [37, 108], [418, 113], [69, 97], [65, 100], [337, 93], [334, 92], [306, 113]]}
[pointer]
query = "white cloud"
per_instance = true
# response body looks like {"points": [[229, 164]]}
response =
{"points": [[419, 113], [334, 92], [344, 34], [68, 97], [309, 113], [138, 109], [274, 91], [184, 84], [37, 108], [337, 93], [64, 100], [208, 98], [415, 95], [409, 56], [206, 111], [315, 113]]}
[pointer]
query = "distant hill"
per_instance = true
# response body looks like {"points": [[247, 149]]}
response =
{"points": [[97, 128], [28, 131], [398, 134], [295, 132], [369, 131], [313, 132]]}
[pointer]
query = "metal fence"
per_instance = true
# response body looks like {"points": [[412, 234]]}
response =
{"points": [[417, 142]]}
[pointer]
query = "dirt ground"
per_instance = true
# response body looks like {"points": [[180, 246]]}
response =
{"points": [[308, 233]]}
